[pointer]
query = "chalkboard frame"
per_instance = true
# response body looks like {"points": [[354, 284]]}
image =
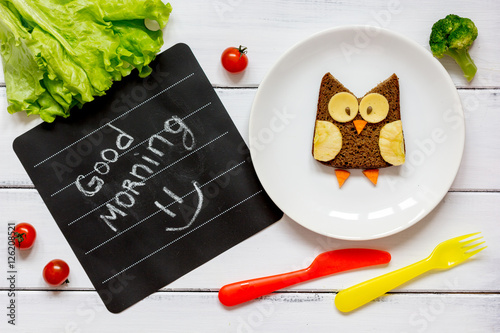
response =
{"points": [[149, 181]]}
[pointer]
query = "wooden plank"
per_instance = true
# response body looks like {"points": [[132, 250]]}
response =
{"points": [[270, 28], [286, 246], [481, 111], [201, 312], [479, 162]]}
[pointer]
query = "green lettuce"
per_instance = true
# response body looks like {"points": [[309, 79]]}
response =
{"points": [[58, 54]]}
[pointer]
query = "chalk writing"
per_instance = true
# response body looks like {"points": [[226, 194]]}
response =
{"points": [[153, 175], [180, 201], [123, 141], [128, 194], [60, 169], [215, 178]]}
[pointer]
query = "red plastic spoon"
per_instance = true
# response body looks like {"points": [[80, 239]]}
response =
{"points": [[325, 264]]}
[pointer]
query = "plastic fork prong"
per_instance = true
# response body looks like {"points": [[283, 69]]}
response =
{"points": [[470, 241], [459, 238], [470, 254], [472, 247]]}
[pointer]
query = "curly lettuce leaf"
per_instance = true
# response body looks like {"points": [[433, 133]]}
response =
{"points": [[58, 54]]}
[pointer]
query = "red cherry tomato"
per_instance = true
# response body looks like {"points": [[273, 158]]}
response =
{"points": [[56, 272], [24, 235], [234, 59]]}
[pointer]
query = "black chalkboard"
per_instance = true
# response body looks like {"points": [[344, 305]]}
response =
{"points": [[149, 181]]}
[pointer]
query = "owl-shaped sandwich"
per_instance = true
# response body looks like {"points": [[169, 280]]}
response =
{"points": [[358, 133]]}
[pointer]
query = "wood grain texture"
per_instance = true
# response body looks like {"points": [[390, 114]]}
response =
{"points": [[169, 312], [287, 246]]}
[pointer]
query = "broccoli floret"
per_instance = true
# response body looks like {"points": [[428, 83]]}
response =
{"points": [[453, 36]]}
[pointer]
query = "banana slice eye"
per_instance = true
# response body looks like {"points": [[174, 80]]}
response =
{"points": [[343, 107], [374, 108]]}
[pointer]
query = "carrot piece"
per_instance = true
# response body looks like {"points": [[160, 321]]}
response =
{"points": [[342, 176], [372, 175], [359, 124]]}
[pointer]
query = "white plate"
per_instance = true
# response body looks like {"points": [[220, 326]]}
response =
{"points": [[282, 124]]}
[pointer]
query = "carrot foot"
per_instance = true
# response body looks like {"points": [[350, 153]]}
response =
{"points": [[342, 176], [372, 175]]}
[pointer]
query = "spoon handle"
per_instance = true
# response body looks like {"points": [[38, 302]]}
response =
{"points": [[243, 291], [364, 292]]}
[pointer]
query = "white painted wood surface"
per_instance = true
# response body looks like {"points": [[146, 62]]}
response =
{"points": [[283, 312], [292, 247], [464, 299]]}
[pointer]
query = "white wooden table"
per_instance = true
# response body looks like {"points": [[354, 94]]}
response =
{"points": [[464, 299]]}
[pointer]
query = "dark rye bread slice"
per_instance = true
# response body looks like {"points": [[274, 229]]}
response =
{"points": [[359, 151]]}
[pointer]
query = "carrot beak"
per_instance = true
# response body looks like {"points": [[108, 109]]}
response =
{"points": [[359, 124]]}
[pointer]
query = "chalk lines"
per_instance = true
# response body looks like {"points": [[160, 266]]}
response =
{"points": [[111, 121], [160, 210], [196, 111], [180, 237], [129, 150], [152, 176]]}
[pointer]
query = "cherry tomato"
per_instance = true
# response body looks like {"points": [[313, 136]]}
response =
{"points": [[24, 235], [234, 59], [56, 272]]}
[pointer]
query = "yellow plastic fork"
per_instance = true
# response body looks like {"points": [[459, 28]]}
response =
{"points": [[446, 255]]}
